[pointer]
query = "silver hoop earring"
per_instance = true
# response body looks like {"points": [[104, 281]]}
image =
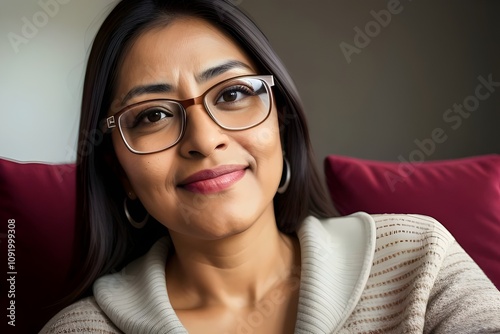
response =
{"points": [[131, 220], [287, 174]]}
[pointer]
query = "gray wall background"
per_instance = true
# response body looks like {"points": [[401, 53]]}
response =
{"points": [[397, 89], [43, 52]]}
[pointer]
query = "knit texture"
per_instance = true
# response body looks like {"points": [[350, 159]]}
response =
{"points": [[359, 274]]}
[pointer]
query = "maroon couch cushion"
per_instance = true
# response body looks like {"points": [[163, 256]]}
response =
{"points": [[463, 194], [41, 199]]}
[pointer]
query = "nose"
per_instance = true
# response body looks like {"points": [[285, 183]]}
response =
{"points": [[202, 136]]}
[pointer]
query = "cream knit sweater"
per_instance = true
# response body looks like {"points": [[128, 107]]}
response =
{"points": [[359, 274]]}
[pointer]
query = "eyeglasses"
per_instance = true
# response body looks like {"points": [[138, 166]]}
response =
{"points": [[235, 104]]}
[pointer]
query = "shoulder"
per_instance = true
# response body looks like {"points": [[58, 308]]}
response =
{"points": [[411, 230], [418, 273], [83, 316], [410, 248]]}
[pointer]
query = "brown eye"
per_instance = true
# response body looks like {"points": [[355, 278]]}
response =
{"points": [[234, 94], [155, 116], [229, 96], [152, 116]]}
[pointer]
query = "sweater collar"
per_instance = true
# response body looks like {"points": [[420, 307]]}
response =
{"points": [[336, 259], [337, 255], [135, 299]]}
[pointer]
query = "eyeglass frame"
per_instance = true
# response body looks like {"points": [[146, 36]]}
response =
{"points": [[110, 122]]}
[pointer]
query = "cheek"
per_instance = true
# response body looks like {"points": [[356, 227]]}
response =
{"points": [[267, 137], [264, 144], [145, 173]]}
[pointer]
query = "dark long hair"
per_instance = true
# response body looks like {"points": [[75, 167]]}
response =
{"points": [[107, 240]]}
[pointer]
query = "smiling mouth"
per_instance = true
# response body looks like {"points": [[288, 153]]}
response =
{"points": [[211, 181]]}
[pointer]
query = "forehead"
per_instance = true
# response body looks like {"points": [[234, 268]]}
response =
{"points": [[183, 48]]}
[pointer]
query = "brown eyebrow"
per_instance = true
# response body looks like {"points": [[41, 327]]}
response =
{"points": [[220, 69], [202, 77], [146, 89]]}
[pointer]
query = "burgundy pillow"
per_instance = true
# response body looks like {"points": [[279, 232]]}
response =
{"points": [[41, 199], [463, 194]]}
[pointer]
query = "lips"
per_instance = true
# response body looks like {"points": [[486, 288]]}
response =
{"points": [[214, 180]]}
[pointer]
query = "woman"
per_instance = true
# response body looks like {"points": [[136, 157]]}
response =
{"points": [[202, 209]]}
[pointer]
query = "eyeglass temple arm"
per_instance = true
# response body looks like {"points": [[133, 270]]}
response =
{"points": [[269, 79], [106, 124]]}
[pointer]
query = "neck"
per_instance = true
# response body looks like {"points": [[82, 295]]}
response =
{"points": [[236, 271]]}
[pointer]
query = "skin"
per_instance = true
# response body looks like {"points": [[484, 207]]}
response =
{"points": [[232, 270]]}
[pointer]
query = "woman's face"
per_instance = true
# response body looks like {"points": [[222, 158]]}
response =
{"points": [[250, 160]]}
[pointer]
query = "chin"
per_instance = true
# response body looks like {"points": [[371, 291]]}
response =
{"points": [[225, 228], [218, 225]]}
